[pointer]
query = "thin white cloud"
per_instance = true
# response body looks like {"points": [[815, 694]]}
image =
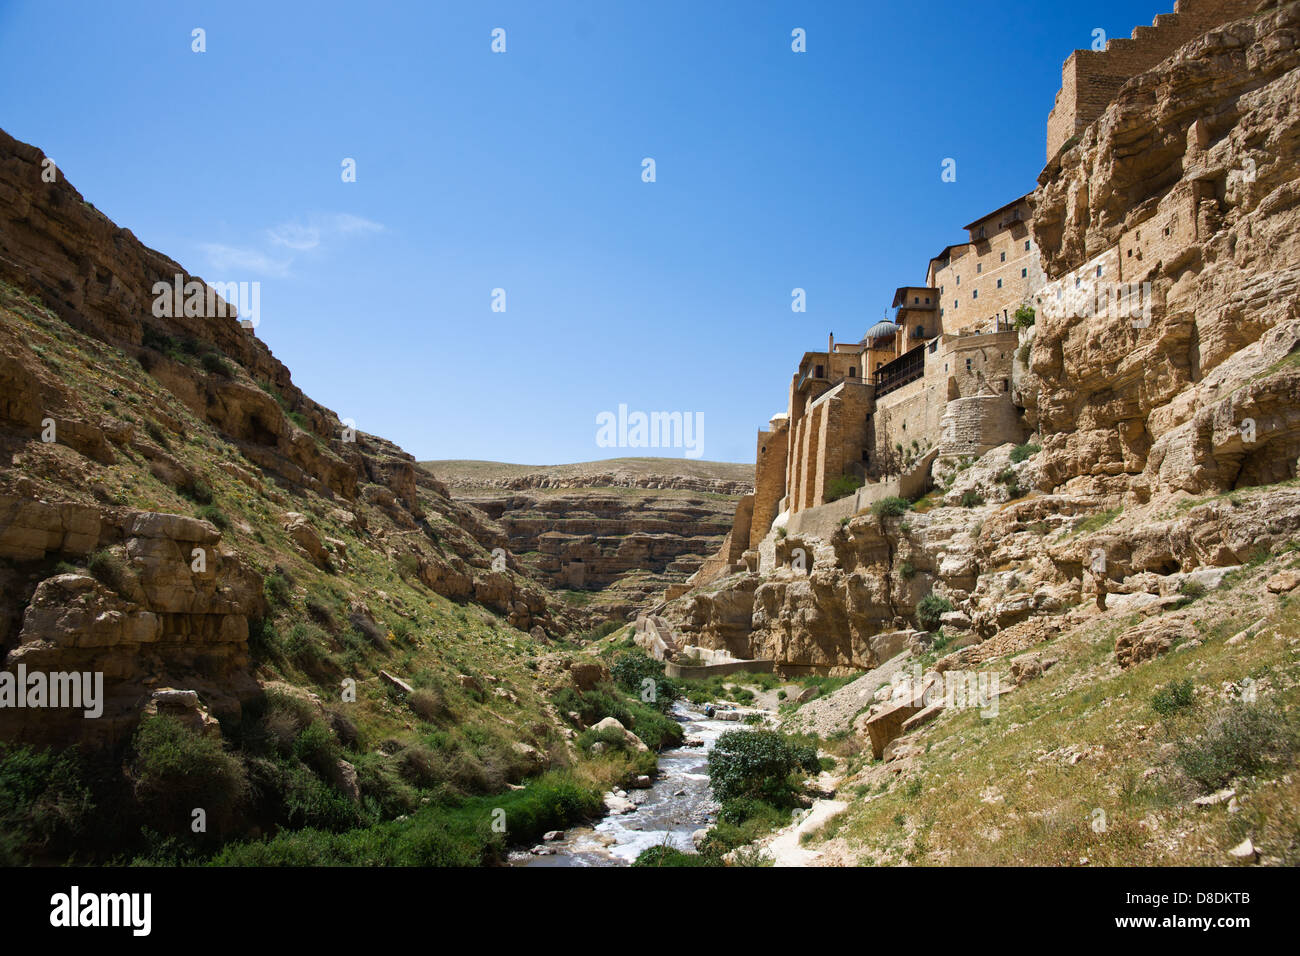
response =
{"points": [[294, 236], [346, 224], [244, 259], [301, 237]]}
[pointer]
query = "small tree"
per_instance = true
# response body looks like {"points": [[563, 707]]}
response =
{"points": [[758, 764], [930, 609], [1024, 316], [631, 671]]}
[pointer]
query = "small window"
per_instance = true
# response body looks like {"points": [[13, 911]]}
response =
{"points": [[1024, 273], [920, 331], [975, 294], [1130, 253], [1006, 386], [927, 300], [959, 280], [1026, 245], [916, 300], [1098, 271], [955, 304], [999, 283], [968, 365], [1077, 282], [979, 267], [853, 372], [1004, 257], [817, 373]]}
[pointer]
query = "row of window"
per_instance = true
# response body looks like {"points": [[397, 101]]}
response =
{"points": [[979, 267]]}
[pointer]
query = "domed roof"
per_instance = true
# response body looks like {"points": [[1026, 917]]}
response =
{"points": [[884, 329]]}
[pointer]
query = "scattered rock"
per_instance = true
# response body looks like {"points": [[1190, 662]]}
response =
{"points": [[1283, 581], [1245, 850], [396, 682]]}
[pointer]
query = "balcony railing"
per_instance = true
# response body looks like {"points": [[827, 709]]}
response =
{"points": [[894, 375]]}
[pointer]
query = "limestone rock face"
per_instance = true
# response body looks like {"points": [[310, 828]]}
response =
{"points": [[1193, 176], [627, 544], [101, 280], [172, 607]]}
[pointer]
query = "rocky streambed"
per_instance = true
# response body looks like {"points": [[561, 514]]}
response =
{"points": [[677, 803]]}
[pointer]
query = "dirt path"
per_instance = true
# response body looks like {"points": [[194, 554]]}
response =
{"points": [[785, 848]]}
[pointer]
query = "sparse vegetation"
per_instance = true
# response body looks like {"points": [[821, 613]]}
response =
{"points": [[930, 609], [890, 507], [842, 486], [758, 765], [1024, 452]]}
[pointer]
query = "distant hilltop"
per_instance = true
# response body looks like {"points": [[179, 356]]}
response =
{"points": [[718, 477]]}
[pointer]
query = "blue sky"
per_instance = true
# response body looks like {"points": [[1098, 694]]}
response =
{"points": [[523, 171]]}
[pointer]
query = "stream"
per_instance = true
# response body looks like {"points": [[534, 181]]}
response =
{"points": [[677, 804]]}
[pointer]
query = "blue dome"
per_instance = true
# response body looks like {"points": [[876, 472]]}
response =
{"points": [[884, 329]]}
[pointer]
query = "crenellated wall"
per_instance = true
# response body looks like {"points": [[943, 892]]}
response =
{"points": [[1091, 79]]}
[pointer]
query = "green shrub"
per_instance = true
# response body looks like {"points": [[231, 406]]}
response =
{"points": [[632, 670], [971, 499], [890, 507], [277, 589], [1191, 588], [1024, 317], [197, 490], [1174, 696], [263, 639], [1022, 452], [428, 704], [215, 515], [110, 569], [907, 570], [593, 706], [930, 609], [317, 748], [664, 855], [215, 364], [304, 644], [1241, 739], [313, 802], [842, 486], [758, 764], [175, 770], [44, 805]]}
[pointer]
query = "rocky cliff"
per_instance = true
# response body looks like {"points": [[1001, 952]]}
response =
{"points": [[1166, 439], [613, 534], [160, 477], [1192, 177]]}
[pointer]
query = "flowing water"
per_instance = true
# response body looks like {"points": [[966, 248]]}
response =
{"points": [[679, 803]]}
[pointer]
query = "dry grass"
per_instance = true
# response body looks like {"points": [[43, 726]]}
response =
{"points": [[1003, 791]]}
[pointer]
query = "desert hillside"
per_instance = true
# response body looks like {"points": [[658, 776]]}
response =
{"points": [[1012, 580], [609, 535]]}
